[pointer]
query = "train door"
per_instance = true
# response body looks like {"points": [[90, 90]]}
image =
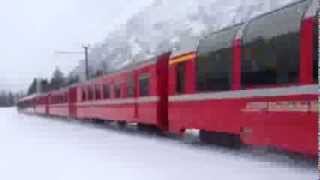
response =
{"points": [[133, 86], [162, 90]]}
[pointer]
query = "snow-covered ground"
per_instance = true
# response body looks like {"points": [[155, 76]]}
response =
{"points": [[38, 148]]}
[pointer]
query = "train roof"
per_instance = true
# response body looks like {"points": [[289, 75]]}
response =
{"points": [[279, 9], [254, 18], [26, 98], [129, 67]]}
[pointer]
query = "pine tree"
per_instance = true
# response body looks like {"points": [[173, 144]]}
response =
{"points": [[58, 80], [32, 87]]}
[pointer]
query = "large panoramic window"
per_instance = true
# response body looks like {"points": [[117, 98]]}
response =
{"points": [[215, 58], [271, 48], [144, 85], [180, 78]]}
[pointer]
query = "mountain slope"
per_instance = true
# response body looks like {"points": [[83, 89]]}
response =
{"points": [[165, 24]]}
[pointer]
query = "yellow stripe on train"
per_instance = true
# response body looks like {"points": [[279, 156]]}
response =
{"points": [[182, 59]]}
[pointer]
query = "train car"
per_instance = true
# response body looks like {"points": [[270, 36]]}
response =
{"points": [[41, 105], [58, 103], [255, 83], [27, 104], [136, 94], [101, 98]]}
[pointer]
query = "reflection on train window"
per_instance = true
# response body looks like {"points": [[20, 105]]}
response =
{"points": [[271, 48], [214, 64], [98, 92], [144, 85], [106, 91], [130, 87], [180, 78], [117, 91]]}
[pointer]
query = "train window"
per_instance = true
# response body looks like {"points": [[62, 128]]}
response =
{"points": [[180, 78], [271, 48], [90, 93], [106, 91], [144, 85], [84, 96], [214, 63], [98, 92], [130, 87], [117, 91], [315, 50], [66, 98]]}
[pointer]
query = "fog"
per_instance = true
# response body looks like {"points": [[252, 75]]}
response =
{"points": [[32, 30]]}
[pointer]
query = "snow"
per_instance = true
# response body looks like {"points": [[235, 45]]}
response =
{"points": [[38, 148]]}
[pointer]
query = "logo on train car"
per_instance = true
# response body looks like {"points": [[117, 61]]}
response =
{"points": [[282, 106]]}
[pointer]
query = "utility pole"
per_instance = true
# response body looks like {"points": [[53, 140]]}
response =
{"points": [[86, 61], [86, 57]]}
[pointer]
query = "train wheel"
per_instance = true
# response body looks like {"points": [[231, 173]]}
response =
{"points": [[98, 121], [148, 128], [122, 124], [221, 139]]}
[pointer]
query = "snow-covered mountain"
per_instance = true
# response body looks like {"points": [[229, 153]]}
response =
{"points": [[166, 24]]}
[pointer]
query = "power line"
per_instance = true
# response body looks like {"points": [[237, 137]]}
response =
{"points": [[68, 52], [86, 57]]}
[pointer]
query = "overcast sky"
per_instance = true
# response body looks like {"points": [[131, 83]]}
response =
{"points": [[31, 30]]}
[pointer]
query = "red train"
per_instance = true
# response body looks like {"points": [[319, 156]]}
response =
{"points": [[253, 83]]}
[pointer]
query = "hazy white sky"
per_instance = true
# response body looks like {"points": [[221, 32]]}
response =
{"points": [[31, 30]]}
